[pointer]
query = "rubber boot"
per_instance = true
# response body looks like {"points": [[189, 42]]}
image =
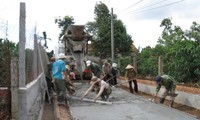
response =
{"points": [[162, 100], [103, 98], [60, 98], [171, 104]]}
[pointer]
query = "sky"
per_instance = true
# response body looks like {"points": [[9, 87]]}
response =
{"points": [[142, 18]]}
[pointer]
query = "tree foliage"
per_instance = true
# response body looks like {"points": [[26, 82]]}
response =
{"points": [[147, 60], [180, 50], [101, 30], [7, 51], [63, 23]]}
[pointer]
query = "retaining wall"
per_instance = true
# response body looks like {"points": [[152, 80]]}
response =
{"points": [[31, 99], [186, 95]]}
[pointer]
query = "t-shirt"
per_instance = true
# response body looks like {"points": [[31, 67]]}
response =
{"points": [[104, 84], [58, 68]]}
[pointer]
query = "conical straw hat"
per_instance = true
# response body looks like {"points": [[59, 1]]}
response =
{"points": [[129, 67]]}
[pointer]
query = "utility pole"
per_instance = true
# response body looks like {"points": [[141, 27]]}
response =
{"points": [[112, 37], [6, 30]]}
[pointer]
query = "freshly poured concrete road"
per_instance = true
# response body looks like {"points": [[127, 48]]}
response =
{"points": [[126, 106]]}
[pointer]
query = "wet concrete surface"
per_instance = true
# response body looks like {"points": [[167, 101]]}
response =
{"points": [[126, 106]]}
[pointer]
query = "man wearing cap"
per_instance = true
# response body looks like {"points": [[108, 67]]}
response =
{"points": [[114, 73], [130, 76], [94, 68], [59, 70], [101, 88], [169, 83]]}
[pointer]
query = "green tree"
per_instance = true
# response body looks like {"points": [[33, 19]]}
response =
{"points": [[7, 51], [180, 50], [101, 28], [194, 32], [181, 56], [147, 62], [63, 23]]}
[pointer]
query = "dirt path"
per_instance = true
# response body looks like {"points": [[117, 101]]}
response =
{"points": [[56, 112]]}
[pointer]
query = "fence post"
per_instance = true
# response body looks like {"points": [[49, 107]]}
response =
{"points": [[14, 89], [35, 66], [160, 65], [135, 61], [22, 41], [23, 112]]}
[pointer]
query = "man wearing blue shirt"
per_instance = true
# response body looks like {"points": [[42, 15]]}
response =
{"points": [[60, 75]]}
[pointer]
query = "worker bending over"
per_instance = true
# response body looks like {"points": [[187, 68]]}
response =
{"points": [[101, 88], [169, 84]]}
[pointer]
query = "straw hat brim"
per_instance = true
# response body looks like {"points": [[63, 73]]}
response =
{"points": [[129, 67]]}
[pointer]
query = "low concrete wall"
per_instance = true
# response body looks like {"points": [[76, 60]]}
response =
{"points": [[189, 99], [192, 100], [31, 99]]}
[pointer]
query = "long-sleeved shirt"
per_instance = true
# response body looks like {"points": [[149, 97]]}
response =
{"points": [[95, 68], [106, 69], [168, 82], [131, 74]]}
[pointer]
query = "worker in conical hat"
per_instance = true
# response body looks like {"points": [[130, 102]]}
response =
{"points": [[130, 76]]}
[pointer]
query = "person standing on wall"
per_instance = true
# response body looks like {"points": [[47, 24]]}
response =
{"points": [[130, 76], [59, 70]]}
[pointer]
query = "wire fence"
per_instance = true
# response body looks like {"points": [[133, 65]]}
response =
{"points": [[8, 34], [4, 80], [18, 39]]}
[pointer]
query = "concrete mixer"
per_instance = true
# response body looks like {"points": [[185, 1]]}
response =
{"points": [[76, 46]]}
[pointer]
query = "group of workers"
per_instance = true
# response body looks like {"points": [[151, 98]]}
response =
{"points": [[103, 78]]}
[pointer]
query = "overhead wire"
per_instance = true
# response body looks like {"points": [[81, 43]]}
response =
{"points": [[144, 9], [131, 6], [150, 5], [135, 12]]}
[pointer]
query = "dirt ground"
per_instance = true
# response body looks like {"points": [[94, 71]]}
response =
{"points": [[55, 112]]}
